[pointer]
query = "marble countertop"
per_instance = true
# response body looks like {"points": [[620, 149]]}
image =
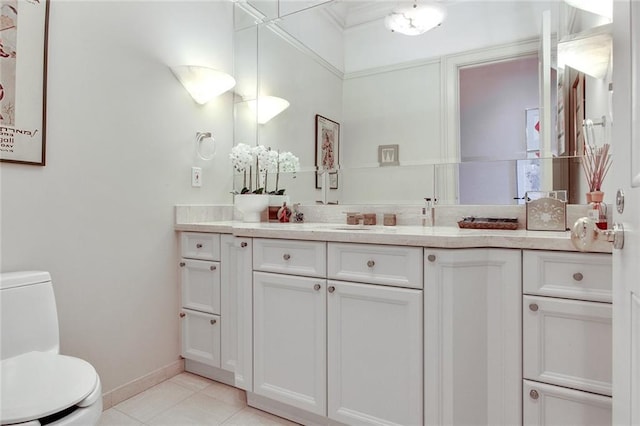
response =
{"points": [[437, 236]]}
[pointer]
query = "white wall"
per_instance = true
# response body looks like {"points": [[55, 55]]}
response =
{"points": [[120, 146]]}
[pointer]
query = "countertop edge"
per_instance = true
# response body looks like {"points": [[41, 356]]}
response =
{"points": [[435, 237]]}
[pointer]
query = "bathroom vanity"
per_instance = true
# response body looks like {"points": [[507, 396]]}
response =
{"points": [[399, 325]]}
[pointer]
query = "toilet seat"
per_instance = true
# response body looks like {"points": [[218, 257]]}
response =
{"points": [[39, 384]]}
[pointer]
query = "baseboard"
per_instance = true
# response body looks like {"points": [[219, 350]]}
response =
{"points": [[213, 373], [134, 387], [288, 412]]}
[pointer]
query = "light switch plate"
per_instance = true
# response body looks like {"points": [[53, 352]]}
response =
{"points": [[196, 177]]}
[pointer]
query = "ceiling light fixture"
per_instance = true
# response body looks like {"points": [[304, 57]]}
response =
{"points": [[415, 19], [203, 83]]}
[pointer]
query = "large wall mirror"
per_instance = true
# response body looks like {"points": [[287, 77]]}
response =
{"points": [[478, 110]]}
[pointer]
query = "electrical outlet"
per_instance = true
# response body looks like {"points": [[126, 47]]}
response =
{"points": [[196, 177]]}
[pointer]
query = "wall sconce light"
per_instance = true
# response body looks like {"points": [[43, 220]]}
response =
{"points": [[589, 53], [416, 19], [267, 107], [599, 7], [203, 83]]}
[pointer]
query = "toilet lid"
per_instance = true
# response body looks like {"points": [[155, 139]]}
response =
{"points": [[38, 384]]}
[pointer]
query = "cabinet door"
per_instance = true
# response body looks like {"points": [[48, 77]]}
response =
{"points": [[568, 343], [201, 337], [289, 327], [473, 356], [201, 285], [241, 312], [374, 346], [556, 406]]}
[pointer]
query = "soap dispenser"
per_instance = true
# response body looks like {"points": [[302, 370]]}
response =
{"points": [[427, 212]]}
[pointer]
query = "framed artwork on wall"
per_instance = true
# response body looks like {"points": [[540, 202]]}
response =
{"points": [[388, 155], [23, 78], [327, 148]]}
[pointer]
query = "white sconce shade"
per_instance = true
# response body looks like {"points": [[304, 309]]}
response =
{"points": [[416, 19], [590, 55], [203, 83], [267, 107], [599, 7]]}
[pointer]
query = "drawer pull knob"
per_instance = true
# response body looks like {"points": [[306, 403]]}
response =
{"points": [[199, 245], [212, 267], [578, 276], [331, 289], [431, 258], [533, 307], [371, 263], [213, 321], [243, 244], [534, 394], [182, 264], [182, 314], [286, 256], [317, 287]]}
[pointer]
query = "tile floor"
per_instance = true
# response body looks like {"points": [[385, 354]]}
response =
{"points": [[188, 399]]}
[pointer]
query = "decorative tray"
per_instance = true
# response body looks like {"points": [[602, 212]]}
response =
{"points": [[488, 223]]}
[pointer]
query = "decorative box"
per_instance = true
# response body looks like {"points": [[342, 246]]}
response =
{"points": [[546, 210]]}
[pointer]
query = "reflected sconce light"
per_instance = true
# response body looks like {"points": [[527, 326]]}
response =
{"points": [[267, 107], [599, 7], [415, 19], [203, 83], [589, 54]]}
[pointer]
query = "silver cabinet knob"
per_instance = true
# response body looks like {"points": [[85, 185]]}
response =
{"points": [[431, 258], [182, 314], [317, 287], [578, 276], [182, 264], [199, 245], [534, 394], [371, 263], [533, 307], [212, 267], [243, 244], [331, 289], [286, 256], [213, 321]]}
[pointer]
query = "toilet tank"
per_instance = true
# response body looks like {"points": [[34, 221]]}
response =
{"points": [[29, 319]]}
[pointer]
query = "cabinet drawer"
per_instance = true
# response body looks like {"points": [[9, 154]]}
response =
{"points": [[585, 276], [552, 405], [376, 264], [567, 343], [201, 285], [308, 258], [195, 245], [201, 337]]}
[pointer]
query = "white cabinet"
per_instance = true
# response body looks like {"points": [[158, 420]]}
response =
{"points": [[201, 337], [557, 406], [290, 340], [386, 265], [238, 299], [200, 290], [567, 338], [374, 346], [351, 352], [472, 344], [212, 268], [567, 343]]}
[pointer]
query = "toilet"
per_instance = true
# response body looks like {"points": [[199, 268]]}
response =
{"points": [[40, 386]]}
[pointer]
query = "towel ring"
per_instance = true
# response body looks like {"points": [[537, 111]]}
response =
{"points": [[205, 145]]}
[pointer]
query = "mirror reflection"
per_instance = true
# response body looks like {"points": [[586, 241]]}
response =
{"points": [[460, 101]]}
